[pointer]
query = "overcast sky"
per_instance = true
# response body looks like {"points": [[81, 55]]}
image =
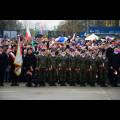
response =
{"points": [[49, 23]]}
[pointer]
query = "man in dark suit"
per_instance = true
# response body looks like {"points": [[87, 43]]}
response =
{"points": [[115, 67]]}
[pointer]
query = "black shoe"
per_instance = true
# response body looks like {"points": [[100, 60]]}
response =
{"points": [[84, 85], [16, 85], [12, 85], [103, 85], [35, 85], [92, 85], [1, 84]]}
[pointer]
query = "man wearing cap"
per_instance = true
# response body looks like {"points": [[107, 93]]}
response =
{"points": [[53, 67], [92, 69], [42, 65], [3, 65], [99, 58], [103, 69], [73, 68], [62, 63], [68, 66], [83, 68]]}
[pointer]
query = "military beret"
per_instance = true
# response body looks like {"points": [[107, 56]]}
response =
{"points": [[63, 50], [99, 51], [83, 51], [52, 50], [103, 52], [72, 50], [93, 52], [43, 50], [90, 50]]}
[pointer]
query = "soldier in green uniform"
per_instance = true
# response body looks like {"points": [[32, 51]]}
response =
{"points": [[53, 67], [92, 69], [42, 65], [68, 66], [83, 66], [88, 74], [99, 57], [104, 69], [62, 68], [73, 68]]}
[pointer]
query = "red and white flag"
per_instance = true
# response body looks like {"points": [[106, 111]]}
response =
{"points": [[115, 72], [28, 35], [18, 59]]}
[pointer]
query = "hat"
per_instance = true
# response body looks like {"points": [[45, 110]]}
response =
{"points": [[103, 52], [99, 51], [63, 50], [52, 50], [93, 52], [83, 51], [72, 50], [43, 50], [90, 50]]}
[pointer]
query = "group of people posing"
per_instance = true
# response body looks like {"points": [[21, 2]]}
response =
{"points": [[64, 63]]}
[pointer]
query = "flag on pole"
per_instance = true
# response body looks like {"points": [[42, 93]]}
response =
{"points": [[18, 59], [42, 28], [28, 35]]}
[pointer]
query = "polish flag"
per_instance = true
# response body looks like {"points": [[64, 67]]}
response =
{"points": [[18, 59], [115, 72], [28, 35]]}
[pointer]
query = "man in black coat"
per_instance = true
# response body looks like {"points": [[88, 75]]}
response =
{"points": [[109, 52], [29, 60], [13, 76], [3, 65], [115, 67]]}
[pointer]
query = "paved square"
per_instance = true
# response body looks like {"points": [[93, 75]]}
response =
{"points": [[58, 93]]}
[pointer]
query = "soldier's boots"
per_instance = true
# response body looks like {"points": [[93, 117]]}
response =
{"points": [[92, 84], [52, 84], [42, 84], [29, 85], [72, 84], [82, 84], [103, 85], [62, 84]]}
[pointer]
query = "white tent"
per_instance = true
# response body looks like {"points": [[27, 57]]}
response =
{"points": [[92, 37]]}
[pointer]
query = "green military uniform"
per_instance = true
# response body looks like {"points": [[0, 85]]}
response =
{"points": [[62, 69], [83, 70], [68, 66], [73, 66], [93, 71], [54, 65], [42, 65], [104, 65]]}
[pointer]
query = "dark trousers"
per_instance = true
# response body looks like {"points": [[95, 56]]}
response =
{"points": [[7, 76], [30, 80], [115, 77], [2, 75], [14, 77]]}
